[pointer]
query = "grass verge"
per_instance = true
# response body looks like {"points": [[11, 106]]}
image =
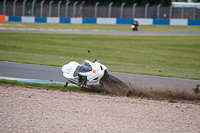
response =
{"points": [[44, 86], [161, 55], [52, 87], [89, 91]]}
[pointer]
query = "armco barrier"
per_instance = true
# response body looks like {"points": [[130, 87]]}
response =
{"points": [[76, 20], [89, 20], [106, 21], [183, 22], [142, 21], [53, 20], [15, 19], [2, 18], [193, 22], [65, 20], [124, 21], [40, 20], [7, 18], [28, 19], [161, 22]]}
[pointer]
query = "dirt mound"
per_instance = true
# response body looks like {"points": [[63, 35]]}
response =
{"points": [[112, 85], [115, 86]]}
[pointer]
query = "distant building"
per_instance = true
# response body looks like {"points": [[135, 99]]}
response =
{"points": [[185, 4]]}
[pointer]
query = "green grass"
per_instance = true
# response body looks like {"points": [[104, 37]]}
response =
{"points": [[97, 26], [84, 90], [44, 86], [162, 55], [51, 87]]}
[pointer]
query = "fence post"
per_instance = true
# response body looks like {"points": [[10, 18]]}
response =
{"points": [[74, 9], [158, 11], [194, 12], [14, 4], [134, 5], [41, 8], [33, 5], [182, 11], [122, 7], [81, 8], [23, 7], [4, 7], [170, 12], [50, 8], [59, 8], [95, 9], [66, 8], [146, 8], [109, 9]]}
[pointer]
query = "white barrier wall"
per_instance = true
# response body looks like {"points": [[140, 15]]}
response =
{"points": [[183, 22], [7, 18], [76, 20], [106, 20], [53, 20], [143, 21], [28, 19]]}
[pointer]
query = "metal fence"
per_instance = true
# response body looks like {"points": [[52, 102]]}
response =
{"points": [[67, 9]]}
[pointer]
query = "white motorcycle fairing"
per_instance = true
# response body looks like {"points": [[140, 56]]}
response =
{"points": [[69, 69], [88, 73]]}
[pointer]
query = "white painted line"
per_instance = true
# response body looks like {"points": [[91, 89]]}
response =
{"points": [[35, 81]]}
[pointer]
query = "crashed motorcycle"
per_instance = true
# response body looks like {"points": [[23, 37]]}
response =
{"points": [[84, 75]]}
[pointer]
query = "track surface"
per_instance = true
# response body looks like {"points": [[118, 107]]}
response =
{"points": [[95, 31], [29, 71], [142, 82], [40, 72]]}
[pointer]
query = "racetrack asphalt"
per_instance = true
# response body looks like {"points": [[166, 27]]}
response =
{"points": [[96, 31], [144, 83], [29, 71]]}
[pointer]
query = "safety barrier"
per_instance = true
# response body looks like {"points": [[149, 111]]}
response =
{"points": [[2, 18], [142, 21]]}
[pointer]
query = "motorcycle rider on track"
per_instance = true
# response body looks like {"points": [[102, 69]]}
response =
{"points": [[135, 25]]}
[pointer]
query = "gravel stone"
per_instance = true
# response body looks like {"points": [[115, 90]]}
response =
{"points": [[27, 110]]}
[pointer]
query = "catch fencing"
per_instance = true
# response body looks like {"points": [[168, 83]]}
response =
{"points": [[69, 10]]}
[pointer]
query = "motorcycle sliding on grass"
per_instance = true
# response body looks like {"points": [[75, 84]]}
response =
{"points": [[95, 76], [86, 74]]}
